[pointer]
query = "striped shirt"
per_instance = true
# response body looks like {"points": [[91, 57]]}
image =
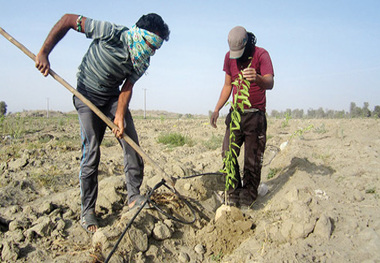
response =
{"points": [[107, 62]]}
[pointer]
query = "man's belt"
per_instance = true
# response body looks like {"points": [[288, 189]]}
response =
{"points": [[251, 110]]}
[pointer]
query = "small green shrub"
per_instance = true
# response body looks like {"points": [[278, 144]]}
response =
{"points": [[217, 257], [47, 177], [371, 191], [214, 142], [285, 123], [174, 139], [109, 143], [273, 172], [300, 132], [321, 129]]}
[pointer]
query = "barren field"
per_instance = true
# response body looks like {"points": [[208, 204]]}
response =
{"points": [[322, 204]]}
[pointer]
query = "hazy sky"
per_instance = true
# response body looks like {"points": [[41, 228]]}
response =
{"points": [[325, 53]]}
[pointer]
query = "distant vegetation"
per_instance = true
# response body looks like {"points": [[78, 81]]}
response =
{"points": [[355, 112], [18, 125], [3, 108]]}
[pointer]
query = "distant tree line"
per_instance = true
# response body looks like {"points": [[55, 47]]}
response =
{"points": [[320, 113], [3, 108]]}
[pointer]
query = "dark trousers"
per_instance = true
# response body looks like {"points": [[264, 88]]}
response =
{"points": [[252, 133], [92, 133]]}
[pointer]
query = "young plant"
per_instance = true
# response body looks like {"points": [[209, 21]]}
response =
{"points": [[285, 123], [273, 172], [239, 101], [301, 131]]}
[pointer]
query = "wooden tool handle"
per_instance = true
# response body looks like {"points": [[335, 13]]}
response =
{"points": [[100, 114]]}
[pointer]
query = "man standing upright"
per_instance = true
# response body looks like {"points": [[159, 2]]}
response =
{"points": [[244, 52]]}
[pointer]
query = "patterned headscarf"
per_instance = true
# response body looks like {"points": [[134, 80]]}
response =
{"points": [[139, 50]]}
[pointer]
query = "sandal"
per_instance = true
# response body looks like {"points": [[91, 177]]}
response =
{"points": [[139, 201], [89, 219]]}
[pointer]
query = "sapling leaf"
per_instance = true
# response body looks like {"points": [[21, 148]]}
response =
{"points": [[240, 99], [234, 144], [247, 103], [237, 124], [233, 150], [244, 92]]}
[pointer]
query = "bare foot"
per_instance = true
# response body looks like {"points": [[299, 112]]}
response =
{"points": [[92, 228], [132, 204]]}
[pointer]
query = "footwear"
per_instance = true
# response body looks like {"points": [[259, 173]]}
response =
{"points": [[246, 199], [89, 219], [233, 198], [139, 201]]}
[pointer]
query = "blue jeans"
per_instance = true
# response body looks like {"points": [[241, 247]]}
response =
{"points": [[92, 133]]}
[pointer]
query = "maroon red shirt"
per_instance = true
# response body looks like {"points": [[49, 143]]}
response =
{"points": [[262, 63]]}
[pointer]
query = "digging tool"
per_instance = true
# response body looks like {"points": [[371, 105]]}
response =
{"points": [[109, 123]]}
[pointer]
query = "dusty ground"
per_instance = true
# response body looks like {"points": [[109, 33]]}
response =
{"points": [[322, 204]]}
